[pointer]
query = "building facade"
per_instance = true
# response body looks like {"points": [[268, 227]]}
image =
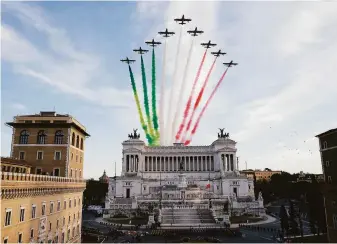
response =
{"points": [[53, 143], [328, 150], [260, 174], [41, 200], [192, 175]]}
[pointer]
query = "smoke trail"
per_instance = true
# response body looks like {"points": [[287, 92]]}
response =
{"points": [[196, 104], [188, 104], [154, 101], [187, 142], [162, 98], [146, 99], [135, 94], [174, 81], [181, 90]]}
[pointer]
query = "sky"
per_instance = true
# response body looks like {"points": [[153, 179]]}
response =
{"points": [[65, 56]]}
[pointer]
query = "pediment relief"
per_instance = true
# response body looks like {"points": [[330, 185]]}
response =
{"points": [[132, 150], [227, 149]]}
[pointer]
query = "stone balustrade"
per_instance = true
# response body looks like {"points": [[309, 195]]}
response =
{"points": [[14, 185], [9, 176]]}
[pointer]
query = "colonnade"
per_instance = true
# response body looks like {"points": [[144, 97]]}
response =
{"points": [[132, 163], [228, 162], [172, 163]]}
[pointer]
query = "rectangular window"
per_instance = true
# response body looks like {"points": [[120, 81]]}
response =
{"points": [[43, 209], [57, 155], [58, 205], [20, 238], [38, 171], [69, 203], [22, 155], [327, 163], [57, 224], [75, 203], [64, 221], [22, 214], [62, 237], [49, 226], [329, 179], [56, 172], [31, 233], [5, 240], [8, 217], [65, 204], [39, 155], [51, 210]]}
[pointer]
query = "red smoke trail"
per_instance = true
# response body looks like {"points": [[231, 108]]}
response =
{"points": [[188, 104], [196, 104], [187, 142]]}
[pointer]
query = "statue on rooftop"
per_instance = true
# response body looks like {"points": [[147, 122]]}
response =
{"points": [[222, 134]]}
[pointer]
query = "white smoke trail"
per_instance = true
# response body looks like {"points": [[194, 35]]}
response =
{"points": [[162, 99], [169, 119], [181, 91]]}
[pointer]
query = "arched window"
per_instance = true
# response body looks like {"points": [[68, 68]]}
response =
{"points": [[41, 137], [59, 137], [325, 145], [77, 141], [73, 139], [24, 135], [81, 143]]}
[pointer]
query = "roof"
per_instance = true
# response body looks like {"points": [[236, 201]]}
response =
{"points": [[327, 132], [14, 161], [48, 125]]}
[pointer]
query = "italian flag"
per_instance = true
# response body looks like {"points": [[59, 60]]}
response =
{"points": [[208, 185]]}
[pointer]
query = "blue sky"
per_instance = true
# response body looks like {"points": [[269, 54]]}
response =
{"points": [[66, 55]]}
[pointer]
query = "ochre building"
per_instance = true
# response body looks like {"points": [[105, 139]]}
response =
{"points": [[41, 183]]}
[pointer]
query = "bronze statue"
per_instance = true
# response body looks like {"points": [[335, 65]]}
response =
{"points": [[222, 134], [134, 135], [181, 166]]}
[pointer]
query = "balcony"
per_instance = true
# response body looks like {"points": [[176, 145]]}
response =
{"points": [[11, 180]]}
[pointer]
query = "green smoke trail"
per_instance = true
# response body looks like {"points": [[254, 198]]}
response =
{"points": [[135, 94], [154, 101], [146, 100]]}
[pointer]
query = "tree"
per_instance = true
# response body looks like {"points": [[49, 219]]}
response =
{"points": [[284, 219], [292, 218]]}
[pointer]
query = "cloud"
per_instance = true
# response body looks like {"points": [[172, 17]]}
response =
{"points": [[285, 73], [18, 106], [62, 66]]}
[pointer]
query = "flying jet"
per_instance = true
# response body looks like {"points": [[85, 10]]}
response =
{"points": [[218, 53], [208, 44], [230, 64], [195, 32], [153, 43], [166, 33], [182, 20], [140, 51], [127, 60]]}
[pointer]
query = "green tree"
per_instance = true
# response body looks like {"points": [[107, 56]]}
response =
{"points": [[284, 219], [292, 218]]}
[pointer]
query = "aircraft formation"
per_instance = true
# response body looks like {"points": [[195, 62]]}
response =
{"points": [[158, 130]]}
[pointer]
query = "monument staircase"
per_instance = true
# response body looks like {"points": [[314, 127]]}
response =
{"points": [[186, 217]]}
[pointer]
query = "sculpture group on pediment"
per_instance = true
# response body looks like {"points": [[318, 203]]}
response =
{"points": [[134, 135], [222, 134]]}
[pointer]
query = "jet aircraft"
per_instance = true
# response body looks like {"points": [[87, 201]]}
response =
{"points": [[218, 53], [182, 20], [127, 60], [195, 32], [230, 63], [153, 43], [140, 51], [208, 44], [166, 33]]}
